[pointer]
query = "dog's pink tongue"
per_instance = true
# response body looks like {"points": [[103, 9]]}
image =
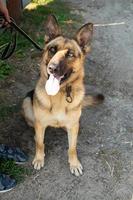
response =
{"points": [[52, 85]]}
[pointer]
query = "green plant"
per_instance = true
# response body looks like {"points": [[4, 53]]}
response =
{"points": [[5, 69], [16, 171]]}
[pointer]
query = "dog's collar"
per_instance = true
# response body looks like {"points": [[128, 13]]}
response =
{"points": [[69, 98]]}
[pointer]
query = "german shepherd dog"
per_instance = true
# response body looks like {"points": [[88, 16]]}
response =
{"points": [[59, 94]]}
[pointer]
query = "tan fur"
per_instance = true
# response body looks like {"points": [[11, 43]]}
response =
{"points": [[55, 111], [27, 111]]}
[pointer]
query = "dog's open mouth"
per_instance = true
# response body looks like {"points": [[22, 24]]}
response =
{"points": [[54, 82]]}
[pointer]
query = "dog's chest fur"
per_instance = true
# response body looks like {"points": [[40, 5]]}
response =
{"points": [[56, 111]]}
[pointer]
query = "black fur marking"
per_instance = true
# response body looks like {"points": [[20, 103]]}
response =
{"points": [[30, 94], [99, 98], [66, 76]]}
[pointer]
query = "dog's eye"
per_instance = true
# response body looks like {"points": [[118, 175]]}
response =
{"points": [[70, 54], [53, 50]]}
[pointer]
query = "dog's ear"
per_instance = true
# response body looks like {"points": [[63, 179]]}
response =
{"points": [[52, 29], [84, 37]]}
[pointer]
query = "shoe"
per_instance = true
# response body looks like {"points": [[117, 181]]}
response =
{"points": [[6, 183], [13, 153]]}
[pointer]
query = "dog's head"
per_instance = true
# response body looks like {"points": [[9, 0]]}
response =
{"points": [[63, 58]]}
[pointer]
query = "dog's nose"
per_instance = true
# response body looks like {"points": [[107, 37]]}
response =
{"points": [[53, 68]]}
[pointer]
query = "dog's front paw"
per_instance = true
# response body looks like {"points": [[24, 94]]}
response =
{"points": [[76, 168], [38, 163]]}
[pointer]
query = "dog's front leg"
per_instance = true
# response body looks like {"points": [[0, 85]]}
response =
{"points": [[75, 165], [38, 161]]}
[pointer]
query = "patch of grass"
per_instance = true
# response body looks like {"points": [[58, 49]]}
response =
{"points": [[58, 8], [5, 37], [20, 53], [16, 171], [7, 111], [5, 69], [34, 19]]}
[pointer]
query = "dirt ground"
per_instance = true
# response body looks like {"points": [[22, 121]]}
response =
{"points": [[105, 145]]}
